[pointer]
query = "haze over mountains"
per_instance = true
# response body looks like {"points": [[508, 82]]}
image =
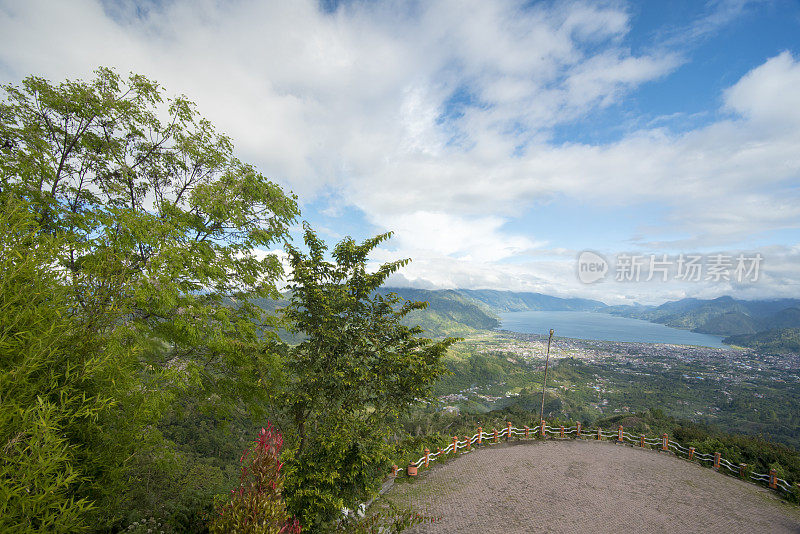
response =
{"points": [[767, 324]]}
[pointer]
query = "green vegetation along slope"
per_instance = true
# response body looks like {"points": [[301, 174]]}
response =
{"points": [[739, 391], [780, 341], [723, 316], [448, 313]]}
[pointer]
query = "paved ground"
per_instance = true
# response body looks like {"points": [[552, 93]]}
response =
{"points": [[584, 486]]}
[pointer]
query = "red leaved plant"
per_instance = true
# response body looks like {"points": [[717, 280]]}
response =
{"points": [[256, 506]]}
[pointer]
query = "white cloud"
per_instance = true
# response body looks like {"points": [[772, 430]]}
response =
{"points": [[361, 102], [308, 95], [477, 239], [602, 78], [768, 95]]}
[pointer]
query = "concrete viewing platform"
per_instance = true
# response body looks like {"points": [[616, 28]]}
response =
{"points": [[586, 486]]}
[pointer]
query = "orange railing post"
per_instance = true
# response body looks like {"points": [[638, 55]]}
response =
{"points": [[469, 442], [742, 467], [508, 430], [716, 460], [496, 438], [427, 456], [394, 470], [664, 442], [641, 440], [480, 435], [541, 428], [562, 431], [599, 436], [411, 470], [527, 431], [578, 434], [691, 453], [455, 444], [619, 434], [773, 479]]}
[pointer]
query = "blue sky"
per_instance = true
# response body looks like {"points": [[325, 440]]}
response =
{"points": [[497, 139]]}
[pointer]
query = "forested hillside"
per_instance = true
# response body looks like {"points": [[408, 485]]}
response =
{"points": [[724, 316], [783, 340], [448, 312]]}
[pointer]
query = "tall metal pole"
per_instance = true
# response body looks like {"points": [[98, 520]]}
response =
{"points": [[544, 382]]}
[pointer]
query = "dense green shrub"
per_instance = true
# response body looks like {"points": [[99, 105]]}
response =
{"points": [[58, 382]]}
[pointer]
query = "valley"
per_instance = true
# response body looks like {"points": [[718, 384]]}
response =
{"points": [[737, 390]]}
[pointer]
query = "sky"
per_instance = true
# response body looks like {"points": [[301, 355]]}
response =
{"points": [[499, 140]]}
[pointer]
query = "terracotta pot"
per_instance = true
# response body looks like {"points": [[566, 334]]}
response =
{"points": [[411, 470]]}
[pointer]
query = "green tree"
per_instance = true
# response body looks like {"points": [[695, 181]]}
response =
{"points": [[357, 367], [160, 218], [155, 222]]}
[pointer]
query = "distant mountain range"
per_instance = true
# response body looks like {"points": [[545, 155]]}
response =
{"points": [[475, 309], [449, 313], [766, 325], [508, 301], [463, 311], [721, 316]]}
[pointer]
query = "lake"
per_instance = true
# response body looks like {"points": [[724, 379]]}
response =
{"points": [[601, 326]]}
